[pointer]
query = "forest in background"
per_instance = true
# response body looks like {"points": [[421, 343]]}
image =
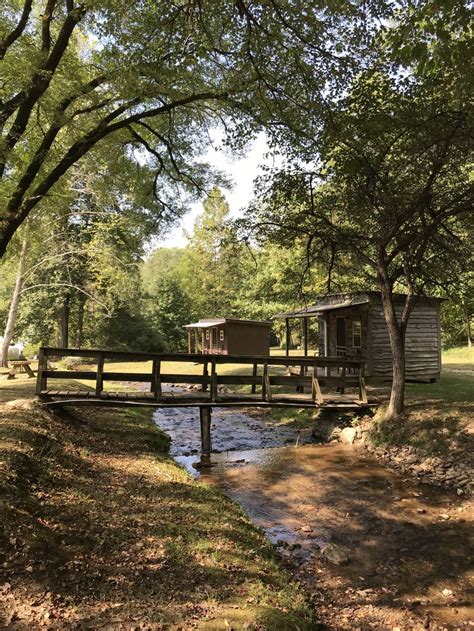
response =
{"points": [[108, 109], [87, 282]]}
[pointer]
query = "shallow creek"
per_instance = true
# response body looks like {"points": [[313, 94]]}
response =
{"points": [[408, 544]]}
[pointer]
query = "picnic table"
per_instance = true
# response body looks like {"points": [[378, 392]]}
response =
{"points": [[20, 365]]}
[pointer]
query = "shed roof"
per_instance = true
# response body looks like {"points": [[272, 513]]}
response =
{"points": [[322, 307], [210, 322], [331, 302]]}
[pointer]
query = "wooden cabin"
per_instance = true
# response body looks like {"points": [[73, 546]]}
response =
{"points": [[353, 325], [227, 336]]}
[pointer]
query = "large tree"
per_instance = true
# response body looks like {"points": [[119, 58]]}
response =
{"points": [[388, 187], [77, 260], [155, 75]]}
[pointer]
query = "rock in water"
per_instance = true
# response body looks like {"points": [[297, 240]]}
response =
{"points": [[348, 435], [334, 554]]}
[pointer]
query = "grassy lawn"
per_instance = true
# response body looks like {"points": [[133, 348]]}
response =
{"points": [[439, 418], [451, 387], [457, 378], [460, 355], [100, 527]]}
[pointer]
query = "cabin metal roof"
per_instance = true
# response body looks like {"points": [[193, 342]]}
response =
{"points": [[210, 322], [346, 300], [322, 307]]}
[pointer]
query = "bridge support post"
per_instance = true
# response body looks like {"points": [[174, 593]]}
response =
{"points": [[206, 444]]}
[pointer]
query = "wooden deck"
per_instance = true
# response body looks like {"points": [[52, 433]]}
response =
{"points": [[196, 399], [267, 390]]}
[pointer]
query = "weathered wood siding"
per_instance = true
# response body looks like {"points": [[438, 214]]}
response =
{"points": [[423, 352], [247, 339]]}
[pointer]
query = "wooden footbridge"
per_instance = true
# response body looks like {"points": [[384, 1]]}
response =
{"points": [[322, 382]]}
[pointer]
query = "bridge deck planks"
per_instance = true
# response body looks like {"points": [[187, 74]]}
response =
{"points": [[345, 401]]}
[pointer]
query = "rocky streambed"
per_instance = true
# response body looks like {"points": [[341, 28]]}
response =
{"points": [[452, 471], [374, 547]]}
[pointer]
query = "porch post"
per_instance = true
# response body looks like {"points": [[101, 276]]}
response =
{"points": [[196, 341], [288, 337], [305, 335], [189, 342], [326, 341]]}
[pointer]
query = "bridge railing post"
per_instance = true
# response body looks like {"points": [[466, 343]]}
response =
{"points": [[156, 378], [213, 380], [266, 391], [41, 380], [205, 374], [316, 394], [362, 390], [99, 380], [254, 374]]}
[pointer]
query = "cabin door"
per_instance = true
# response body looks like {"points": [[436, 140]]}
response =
{"points": [[340, 336]]}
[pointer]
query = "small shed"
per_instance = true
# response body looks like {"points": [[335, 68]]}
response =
{"points": [[353, 325], [228, 336]]}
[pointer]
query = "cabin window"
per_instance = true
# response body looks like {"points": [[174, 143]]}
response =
{"points": [[221, 336], [207, 334], [356, 334], [341, 332]]}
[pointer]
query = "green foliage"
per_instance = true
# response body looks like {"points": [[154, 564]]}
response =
{"points": [[150, 79], [168, 309], [216, 276]]}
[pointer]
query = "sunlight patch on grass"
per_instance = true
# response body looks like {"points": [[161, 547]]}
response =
{"points": [[460, 355], [97, 514]]}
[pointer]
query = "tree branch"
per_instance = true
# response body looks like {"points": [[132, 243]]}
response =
{"points": [[18, 30]]}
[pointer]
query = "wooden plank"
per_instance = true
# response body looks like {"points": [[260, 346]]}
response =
{"points": [[70, 374], [254, 375], [343, 379], [316, 394], [283, 401], [213, 380], [305, 335], [156, 379], [41, 378], [349, 382], [362, 388], [268, 389], [196, 357], [265, 382], [205, 375], [99, 383]]}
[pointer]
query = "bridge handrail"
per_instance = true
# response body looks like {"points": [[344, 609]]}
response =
{"points": [[158, 376], [199, 358]]}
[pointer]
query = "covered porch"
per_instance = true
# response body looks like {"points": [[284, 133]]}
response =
{"points": [[341, 328]]}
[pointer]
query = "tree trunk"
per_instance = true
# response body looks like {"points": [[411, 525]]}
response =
{"points": [[396, 333], [80, 321], [14, 305], [63, 324]]}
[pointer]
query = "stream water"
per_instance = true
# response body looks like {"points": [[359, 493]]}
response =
{"points": [[405, 542]]}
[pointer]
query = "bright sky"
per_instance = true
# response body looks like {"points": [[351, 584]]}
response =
{"points": [[242, 172]]}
